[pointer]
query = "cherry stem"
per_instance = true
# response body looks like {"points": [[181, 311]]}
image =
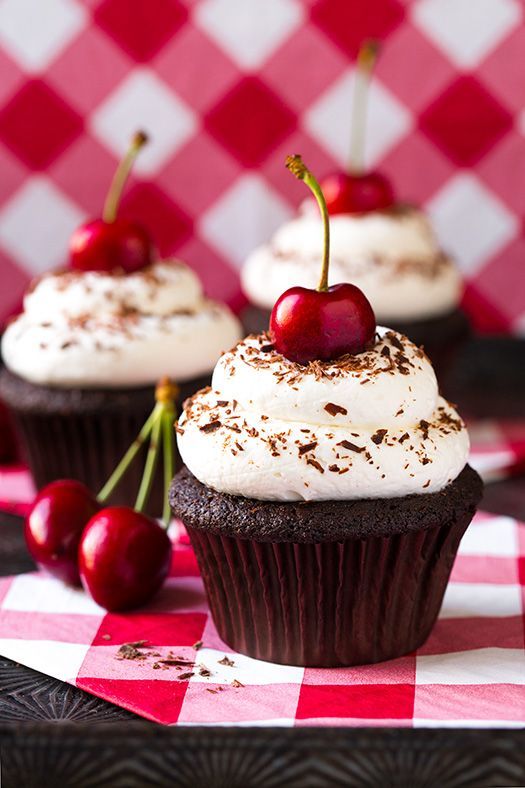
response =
{"points": [[300, 170], [168, 442], [150, 464], [128, 457], [366, 59], [165, 394], [158, 427], [123, 170]]}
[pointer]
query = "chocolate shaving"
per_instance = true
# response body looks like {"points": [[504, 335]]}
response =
{"points": [[395, 341], [307, 447], [184, 676], [378, 436], [334, 409], [211, 426], [351, 446], [198, 645], [266, 348], [131, 650], [237, 683], [226, 661], [315, 464], [177, 661]]}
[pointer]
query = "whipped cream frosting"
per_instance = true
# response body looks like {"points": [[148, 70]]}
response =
{"points": [[110, 329], [393, 256], [370, 425]]}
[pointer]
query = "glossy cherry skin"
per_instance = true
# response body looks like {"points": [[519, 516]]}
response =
{"points": [[124, 558], [346, 193], [54, 526], [104, 246], [306, 325]]}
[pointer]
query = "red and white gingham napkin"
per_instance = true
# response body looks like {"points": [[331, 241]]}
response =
{"points": [[471, 671], [497, 450]]}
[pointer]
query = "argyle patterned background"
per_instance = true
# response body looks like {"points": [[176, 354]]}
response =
{"points": [[227, 88]]}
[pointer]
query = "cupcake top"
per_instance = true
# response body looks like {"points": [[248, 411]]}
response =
{"points": [[392, 255], [370, 425], [111, 329]]}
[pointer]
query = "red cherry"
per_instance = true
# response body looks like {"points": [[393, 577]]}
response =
{"points": [[54, 526], [311, 324], [104, 246], [111, 242], [124, 558], [347, 193]]}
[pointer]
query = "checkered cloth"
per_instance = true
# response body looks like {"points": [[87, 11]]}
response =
{"points": [[227, 88], [497, 451], [470, 672]]}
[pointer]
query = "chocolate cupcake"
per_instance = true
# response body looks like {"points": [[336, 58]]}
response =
{"points": [[392, 255], [325, 501], [84, 356]]}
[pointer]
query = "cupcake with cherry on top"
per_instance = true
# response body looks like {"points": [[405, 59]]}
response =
{"points": [[385, 247], [82, 359], [326, 486]]}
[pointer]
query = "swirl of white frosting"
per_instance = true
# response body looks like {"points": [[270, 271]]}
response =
{"points": [[112, 329], [370, 425], [393, 256]]}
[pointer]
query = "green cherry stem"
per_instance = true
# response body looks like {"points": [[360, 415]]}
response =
{"points": [[300, 170], [150, 464], [121, 175], [168, 444], [166, 393], [129, 456], [366, 59], [158, 427]]}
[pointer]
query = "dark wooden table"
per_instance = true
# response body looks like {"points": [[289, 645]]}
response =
{"points": [[52, 734]]}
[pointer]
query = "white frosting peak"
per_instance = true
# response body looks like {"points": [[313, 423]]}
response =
{"points": [[97, 328], [393, 256], [370, 425]]}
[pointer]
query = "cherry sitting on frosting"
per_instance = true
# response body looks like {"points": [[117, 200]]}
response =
{"points": [[54, 526], [358, 191], [113, 242], [312, 324], [124, 558], [325, 323]]}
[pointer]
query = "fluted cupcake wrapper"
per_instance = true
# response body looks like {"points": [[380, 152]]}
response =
{"points": [[87, 447], [327, 604], [83, 433]]}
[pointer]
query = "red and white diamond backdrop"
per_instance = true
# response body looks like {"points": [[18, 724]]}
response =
{"points": [[228, 87]]}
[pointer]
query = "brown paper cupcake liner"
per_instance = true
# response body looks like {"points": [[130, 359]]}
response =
{"points": [[86, 447], [83, 433], [327, 604]]}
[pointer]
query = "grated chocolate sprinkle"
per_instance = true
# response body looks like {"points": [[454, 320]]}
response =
{"points": [[351, 446], [334, 409]]}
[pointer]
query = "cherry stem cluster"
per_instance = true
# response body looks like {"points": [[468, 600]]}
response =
{"points": [[366, 60], [123, 170], [296, 166], [158, 428]]}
